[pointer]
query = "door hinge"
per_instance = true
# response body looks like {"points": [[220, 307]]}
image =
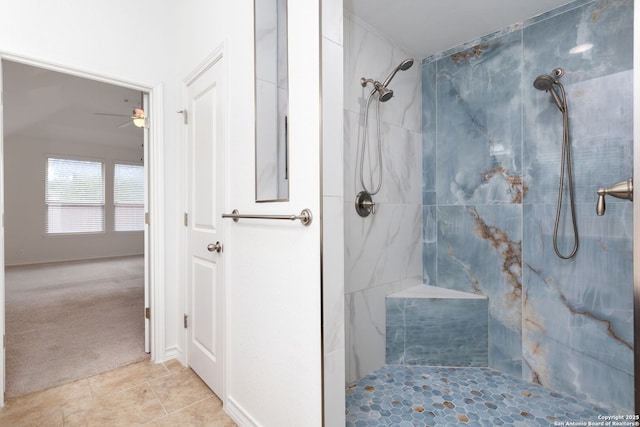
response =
{"points": [[147, 313], [186, 321], [186, 219], [185, 116], [147, 218]]}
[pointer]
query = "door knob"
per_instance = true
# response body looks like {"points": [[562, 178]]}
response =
{"points": [[214, 247]]}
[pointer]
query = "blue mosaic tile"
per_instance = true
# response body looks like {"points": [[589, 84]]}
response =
{"points": [[436, 396], [437, 331]]}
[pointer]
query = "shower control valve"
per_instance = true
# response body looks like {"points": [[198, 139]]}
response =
{"points": [[621, 190], [365, 204]]}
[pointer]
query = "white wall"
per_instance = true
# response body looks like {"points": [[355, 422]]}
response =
{"points": [[25, 171]]}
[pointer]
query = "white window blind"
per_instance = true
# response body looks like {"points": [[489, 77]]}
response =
{"points": [[128, 197], [74, 196]]}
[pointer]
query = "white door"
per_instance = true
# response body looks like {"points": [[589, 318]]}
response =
{"points": [[205, 109], [274, 329]]}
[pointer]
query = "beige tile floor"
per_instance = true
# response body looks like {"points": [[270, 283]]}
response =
{"points": [[144, 393]]}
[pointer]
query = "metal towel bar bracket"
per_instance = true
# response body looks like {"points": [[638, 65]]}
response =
{"points": [[305, 216]]}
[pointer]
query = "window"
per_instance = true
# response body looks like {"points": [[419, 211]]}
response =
{"points": [[74, 196], [128, 197]]}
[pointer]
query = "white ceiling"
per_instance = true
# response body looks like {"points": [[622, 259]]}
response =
{"points": [[426, 27], [48, 105]]}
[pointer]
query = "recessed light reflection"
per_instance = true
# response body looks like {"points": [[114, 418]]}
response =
{"points": [[581, 48]]}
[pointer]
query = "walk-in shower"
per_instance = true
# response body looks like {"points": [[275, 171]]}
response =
{"points": [[550, 83], [488, 143], [364, 203]]}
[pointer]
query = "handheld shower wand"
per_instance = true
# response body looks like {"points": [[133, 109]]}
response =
{"points": [[403, 66], [364, 203], [548, 83], [381, 88]]}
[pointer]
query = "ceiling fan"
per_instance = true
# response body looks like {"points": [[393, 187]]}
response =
{"points": [[137, 118]]}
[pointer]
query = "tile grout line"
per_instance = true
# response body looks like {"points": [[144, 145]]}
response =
{"points": [[178, 410], [66, 406], [191, 404], [142, 382], [153, 390]]}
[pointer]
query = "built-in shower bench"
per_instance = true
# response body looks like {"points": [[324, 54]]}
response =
{"points": [[434, 326]]}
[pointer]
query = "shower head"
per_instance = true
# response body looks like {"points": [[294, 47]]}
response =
{"points": [[546, 82], [403, 66], [384, 94]]}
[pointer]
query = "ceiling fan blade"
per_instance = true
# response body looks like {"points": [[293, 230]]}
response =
{"points": [[125, 124]]}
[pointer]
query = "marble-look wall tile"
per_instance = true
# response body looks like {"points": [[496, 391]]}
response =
{"points": [[267, 120], [479, 114], [266, 27], [365, 328], [429, 160], [574, 316], [480, 251], [375, 58], [382, 251], [332, 119], [599, 101], [333, 273], [401, 160], [578, 314], [607, 24], [557, 11], [334, 397], [332, 21], [350, 154], [384, 247], [430, 245], [437, 331]]}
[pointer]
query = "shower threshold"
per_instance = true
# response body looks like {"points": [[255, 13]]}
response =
{"points": [[443, 396]]}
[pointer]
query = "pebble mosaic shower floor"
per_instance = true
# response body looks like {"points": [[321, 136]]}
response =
{"points": [[408, 396]]}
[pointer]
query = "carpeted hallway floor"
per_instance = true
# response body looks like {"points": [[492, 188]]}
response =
{"points": [[72, 320]]}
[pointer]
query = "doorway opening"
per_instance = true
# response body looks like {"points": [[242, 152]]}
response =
{"points": [[76, 239]]}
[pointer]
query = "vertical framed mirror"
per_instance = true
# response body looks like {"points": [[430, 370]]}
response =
{"points": [[272, 101]]}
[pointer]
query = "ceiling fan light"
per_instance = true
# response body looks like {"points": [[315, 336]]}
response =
{"points": [[138, 117]]}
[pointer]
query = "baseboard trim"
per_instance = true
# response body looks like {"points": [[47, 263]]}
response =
{"points": [[238, 414], [174, 352], [55, 261]]}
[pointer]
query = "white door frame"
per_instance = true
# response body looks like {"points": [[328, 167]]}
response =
{"points": [[154, 154]]}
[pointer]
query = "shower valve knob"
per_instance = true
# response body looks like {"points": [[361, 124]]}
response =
{"points": [[370, 205], [621, 190], [365, 204]]}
